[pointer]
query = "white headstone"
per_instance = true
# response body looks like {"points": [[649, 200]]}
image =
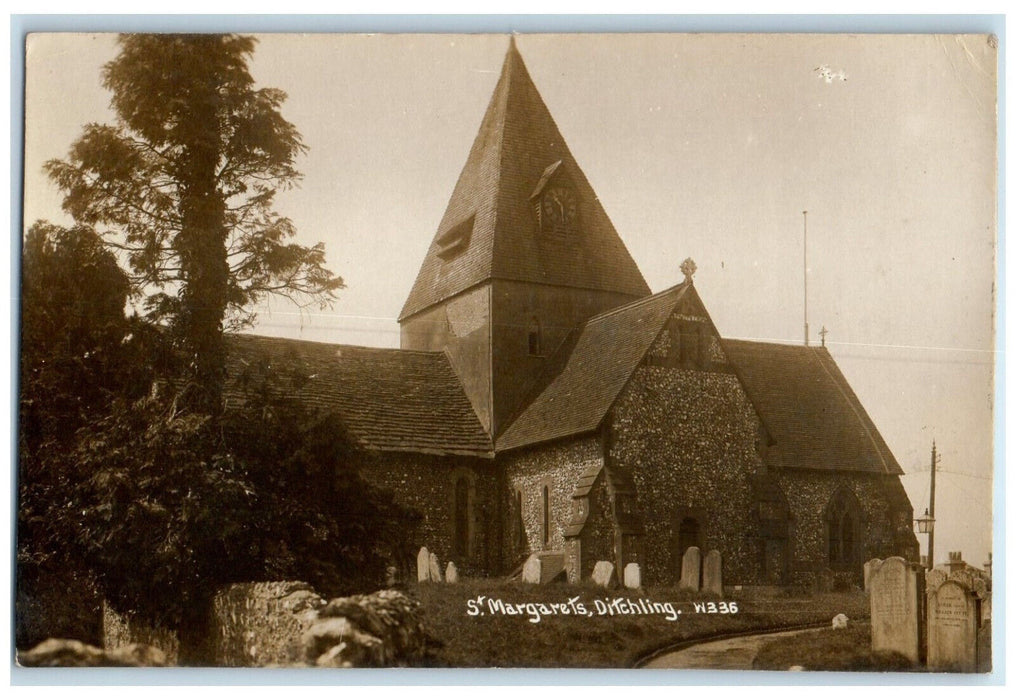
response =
{"points": [[531, 569], [603, 574], [952, 628], [451, 573], [632, 576], [423, 565], [691, 569], [435, 568], [893, 595], [840, 622]]}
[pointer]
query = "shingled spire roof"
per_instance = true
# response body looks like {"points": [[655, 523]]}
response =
{"points": [[490, 229]]}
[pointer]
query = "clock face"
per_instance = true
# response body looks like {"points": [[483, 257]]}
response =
{"points": [[560, 208]]}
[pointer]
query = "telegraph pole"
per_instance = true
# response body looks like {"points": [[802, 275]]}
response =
{"points": [[931, 508]]}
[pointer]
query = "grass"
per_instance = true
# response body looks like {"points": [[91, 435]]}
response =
{"points": [[596, 640], [830, 650]]}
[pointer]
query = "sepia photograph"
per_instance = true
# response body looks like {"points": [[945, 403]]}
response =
{"points": [[513, 350]]}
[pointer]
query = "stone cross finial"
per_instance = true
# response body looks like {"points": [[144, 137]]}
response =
{"points": [[688, 267], [824, 332]]}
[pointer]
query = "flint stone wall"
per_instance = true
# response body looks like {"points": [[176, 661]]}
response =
{"points": [[688, 438], [557, 466], [886, 529], [426, 483], [260, 624]]}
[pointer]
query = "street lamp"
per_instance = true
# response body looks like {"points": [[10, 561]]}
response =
{"points": [[925, 523]]}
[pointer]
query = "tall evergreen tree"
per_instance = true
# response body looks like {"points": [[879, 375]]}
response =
{"points": [[185, 180]]}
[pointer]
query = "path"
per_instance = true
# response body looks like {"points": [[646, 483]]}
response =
{"points": [[735, 654]]}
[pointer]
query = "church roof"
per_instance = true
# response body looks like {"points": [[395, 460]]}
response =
{"points": [[398, 400], [814, 418], [490, 230], [592, 370]]}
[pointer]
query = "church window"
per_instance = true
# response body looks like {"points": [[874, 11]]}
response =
{"points": [[535, 337], [462, 504], [546, 516], [843, 524], [518, 527]]}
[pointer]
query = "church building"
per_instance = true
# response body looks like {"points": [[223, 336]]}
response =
{"points": [[545, 401]]}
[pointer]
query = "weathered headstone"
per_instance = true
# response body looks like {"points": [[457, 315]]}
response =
{"points": [[868, 565], [632, 576], [603, 574], [840, 622], [531, 569], [451, 574], [691, 569], [952, 628], [895, 624], [435, 568], [712, 573], [423, 565]]}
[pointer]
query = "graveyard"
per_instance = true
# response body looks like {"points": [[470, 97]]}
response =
{"points": [[905, 619], [598, 640]]}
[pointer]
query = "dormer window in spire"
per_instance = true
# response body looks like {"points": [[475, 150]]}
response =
{"points": [[455, 240]]}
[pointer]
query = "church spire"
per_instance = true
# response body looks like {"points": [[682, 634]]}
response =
{"points": [[524, 254], [493, 226]]}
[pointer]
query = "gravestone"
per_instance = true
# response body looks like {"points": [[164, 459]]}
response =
{"points": [[451, 574], [868, 565], [632, 576], [691, 569], [840, 622], [423, 565], [531, 569], [712, 573], [603, 574], [895, 612], [952, 628], [435, 568]]}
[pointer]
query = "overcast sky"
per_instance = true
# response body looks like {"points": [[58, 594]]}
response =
{"points": [[708, 146]]}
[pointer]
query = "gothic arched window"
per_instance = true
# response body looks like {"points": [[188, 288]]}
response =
{"points": [[843, 529], [546, 516]]}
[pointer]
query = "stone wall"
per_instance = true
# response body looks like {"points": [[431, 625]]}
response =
{"points": [[689, 440], [123, 631], [885, 521], [279, 623], [557, 466], [427, 484], [261, 624]]}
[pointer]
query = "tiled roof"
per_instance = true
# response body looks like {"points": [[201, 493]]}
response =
{"points": [[399, 400], [517, 142], [814, 418], [591, 370]]}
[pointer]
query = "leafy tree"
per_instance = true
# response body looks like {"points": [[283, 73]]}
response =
{"points": [[174, 493], [76, 349], [186, 178]]}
